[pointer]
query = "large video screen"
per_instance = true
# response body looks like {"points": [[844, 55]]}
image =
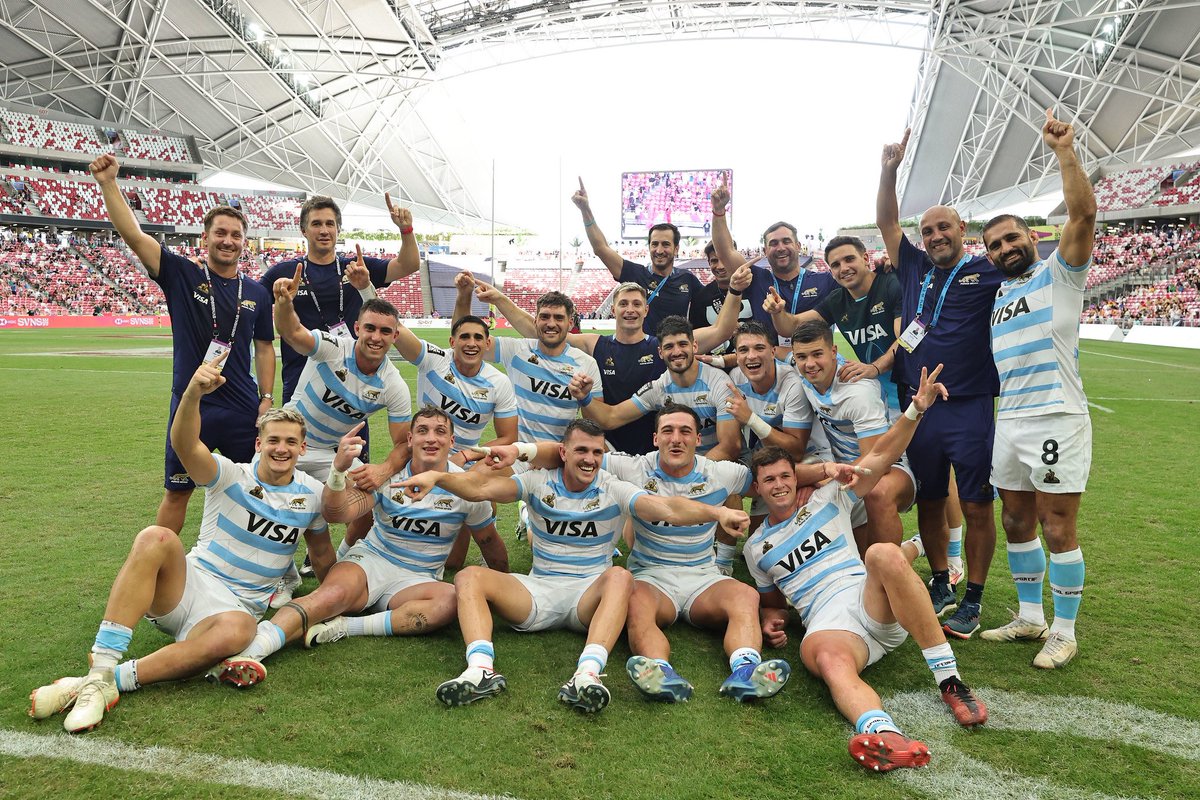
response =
{"points": [[681, 197]]}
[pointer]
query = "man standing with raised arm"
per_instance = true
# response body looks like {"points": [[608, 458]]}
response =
{"points": [[946, 312], [669, 291], [1043, 450], [214, 309]]}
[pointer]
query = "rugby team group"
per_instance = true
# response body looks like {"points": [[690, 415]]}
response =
{"points": [[964, 385]]}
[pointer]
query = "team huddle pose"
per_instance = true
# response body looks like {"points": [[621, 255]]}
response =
{"points": [[638, 437]]}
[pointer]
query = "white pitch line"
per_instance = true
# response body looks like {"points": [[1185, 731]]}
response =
{"points": [[206, 768], [1101, 408], [1152, 399], [72, 369], [1141, 360]]}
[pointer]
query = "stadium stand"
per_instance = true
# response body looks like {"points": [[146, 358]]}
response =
{"points": [[176, 206], [1135, 187], [154, 147], [67, 199], [27, 130], [271, 211], [1174, 301]]}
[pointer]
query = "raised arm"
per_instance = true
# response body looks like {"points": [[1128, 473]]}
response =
{"points": [[887, 209], [409, 259], [600, 412], [1079, 232], [104, 169], [523, 322], [464, 284], [370, 477], [610, 258], [784, 321], [681, 511], [185, 429], [722, 330], [721, 237], [287, 323], [472, 485], [341, 500]]}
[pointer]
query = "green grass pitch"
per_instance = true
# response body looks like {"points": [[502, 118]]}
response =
{"points": [[84, 414]]}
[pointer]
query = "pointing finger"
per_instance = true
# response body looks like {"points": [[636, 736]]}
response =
{"points": [[581, 189], [907, 133], [299, 272], [216, 362], [387, 198], [358, 250]]}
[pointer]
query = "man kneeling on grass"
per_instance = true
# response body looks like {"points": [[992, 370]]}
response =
{"points": [[855, 611], [210, 598]]}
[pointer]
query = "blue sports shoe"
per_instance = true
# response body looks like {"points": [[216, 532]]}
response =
{"points": [[656, 681], [755, 681], [964, 622], [942, 597]]}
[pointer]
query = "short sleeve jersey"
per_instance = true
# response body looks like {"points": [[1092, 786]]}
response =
{"points": [[782, 406], [571, 534], [848, 412], [811, 556], [625, 368], [544, 406], [1035, 340], [670, 296], [657, 544], [333, 395], [250, 529], [471, 401], [869, 324], [191, 302], [707, 306], [417, 536], [961, 339], [327, 282], [800, 294], [705, 396]]}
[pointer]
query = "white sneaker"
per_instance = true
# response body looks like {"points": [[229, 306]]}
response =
{"points": [[284, 591], [958, 572], [97, 694], [46, 701], [327, 632], [1019, 630], [475, 683], [1056, 652]]}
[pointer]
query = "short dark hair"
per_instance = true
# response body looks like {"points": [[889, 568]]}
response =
{"points": [[781, 224], [431, 411], [316, 202], [673, 326], [663, 226], [225, 211], [458, 323], [379, 306], [842, 241], [676, 408], [584, 426], [812, 331], [766, 456], [710, 249], [552, 299], [751, 327], [999, 218]]}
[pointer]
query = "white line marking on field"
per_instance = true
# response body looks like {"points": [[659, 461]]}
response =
{"points": [[1152, 399], [953, 773], [206, 768], [72, 369], [1142, 360], [1101, 408]]}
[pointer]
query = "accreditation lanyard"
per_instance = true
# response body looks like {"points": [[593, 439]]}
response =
{"points": [[658, 288], [795, 294], [312, 292], [212, 306], [925, 284]]}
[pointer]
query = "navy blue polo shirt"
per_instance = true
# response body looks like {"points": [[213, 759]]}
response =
{"points": [[674, 297], [189, 302], [812, 289], [324, 280], [625, 368], [962, 337]]}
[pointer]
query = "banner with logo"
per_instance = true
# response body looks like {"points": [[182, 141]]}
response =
{"points": [[18, 322]]}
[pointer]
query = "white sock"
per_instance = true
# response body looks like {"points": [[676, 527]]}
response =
{"points": [[592, 659], [941, 662], [916, 542], [379, 624], [343, 548], [126, 675], [482, 654], [268, 639]]}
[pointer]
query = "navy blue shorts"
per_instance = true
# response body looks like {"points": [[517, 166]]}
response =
{"points": [[958, 433], [233, 433]]}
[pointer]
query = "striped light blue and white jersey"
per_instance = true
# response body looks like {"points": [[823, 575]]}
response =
{"points": [[471, 401], [782, 406], [418, 536], [848, 412], [705, 396], [544, 406], [333, 395], [250, 529], [810, 556], [1035, 340], [572, 533], [658, 544]]}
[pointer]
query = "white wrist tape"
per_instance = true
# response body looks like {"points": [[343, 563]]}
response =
{"points": [[525, 451], [912, 413], [369, 292], [336, 480], [762, 429]]}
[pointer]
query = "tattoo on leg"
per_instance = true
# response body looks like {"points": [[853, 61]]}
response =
{"points": [[414, 623]]}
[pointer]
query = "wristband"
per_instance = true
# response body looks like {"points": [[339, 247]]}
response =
{"points": [[878, 371], [735, 292], [266, 396], [336, 480], [913, 413], [587, 398], [526, 451], [406, 231], [589, 223], [762, 429], [369, 292], [721, 214]]}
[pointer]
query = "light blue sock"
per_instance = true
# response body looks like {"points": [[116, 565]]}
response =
{"points": [[378, 624], [112, 640], [725, 555], [743, 656], [269, 638], [593, 659], [954, 548], [875, 721], [1066, 587], [1027, 562], [941, 662], [126, 675], [481, 653]]}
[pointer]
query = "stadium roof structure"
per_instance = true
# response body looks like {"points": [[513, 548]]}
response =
{"points": [[324, 95]]}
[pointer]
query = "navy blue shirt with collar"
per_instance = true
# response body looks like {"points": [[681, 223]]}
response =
{"points": [[323, 279], [813, 287], [189, 298], [673, 298], [625, 368], [962, 337]]}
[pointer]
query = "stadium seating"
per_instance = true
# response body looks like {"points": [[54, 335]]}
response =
{"points": [[27, 130], [269, 212], [176, 206], [153, 147], [1135, 188]]}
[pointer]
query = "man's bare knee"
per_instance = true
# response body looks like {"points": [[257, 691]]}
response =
{"points": [[885, 558]]}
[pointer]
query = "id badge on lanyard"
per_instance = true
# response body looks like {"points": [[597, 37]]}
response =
{"points": [[216, 349], [913, 335], [341, 330]]}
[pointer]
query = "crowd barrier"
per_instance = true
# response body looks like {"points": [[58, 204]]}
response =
{"points": [[18, 322]]}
